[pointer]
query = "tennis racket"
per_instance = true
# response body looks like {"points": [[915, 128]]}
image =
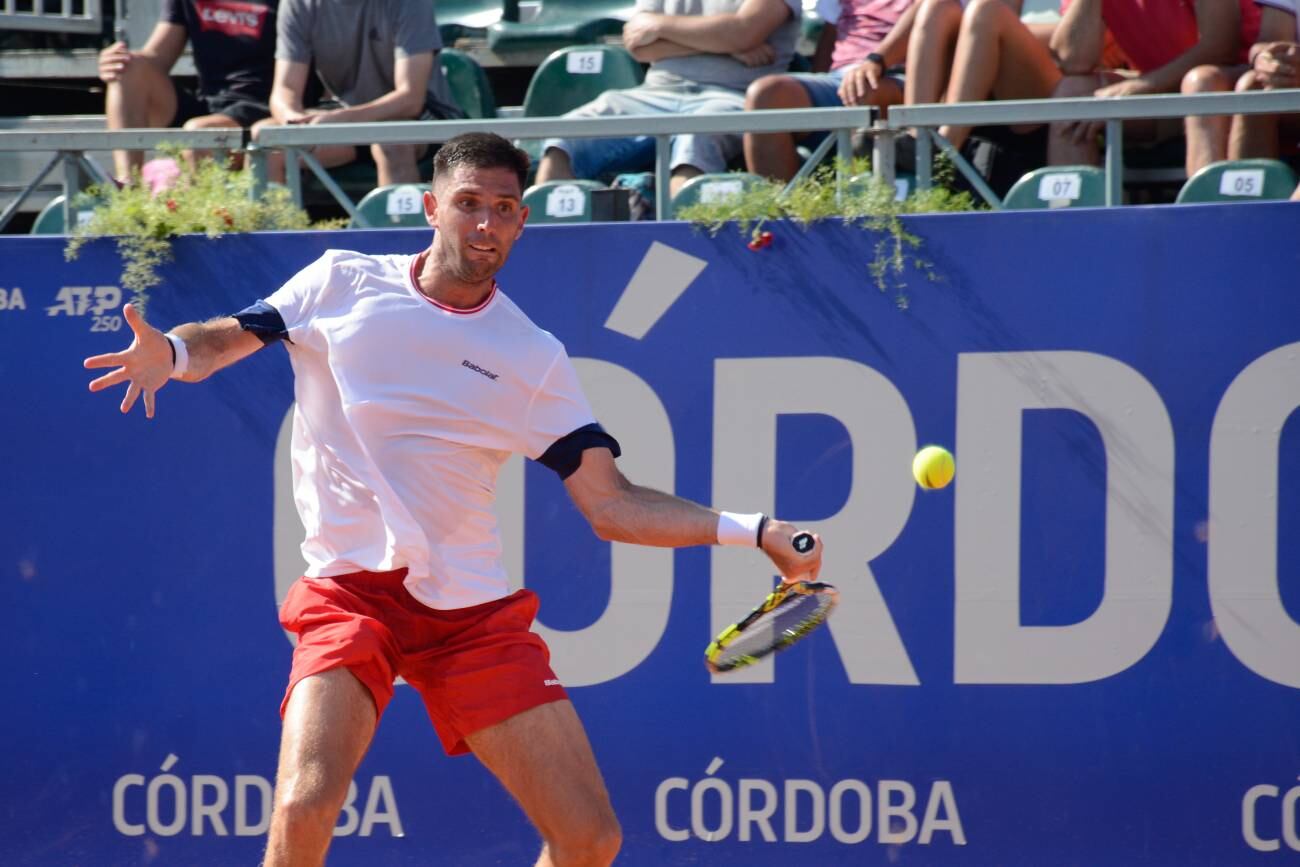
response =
{"points": [[789, 613]]}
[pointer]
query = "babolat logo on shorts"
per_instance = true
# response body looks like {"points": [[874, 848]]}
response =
{"points": [[474, 367]]}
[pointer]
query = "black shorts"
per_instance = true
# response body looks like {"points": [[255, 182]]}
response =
{"points": [[237, 107]]}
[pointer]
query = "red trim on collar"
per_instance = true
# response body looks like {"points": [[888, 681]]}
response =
{"points": [[415, 283]]}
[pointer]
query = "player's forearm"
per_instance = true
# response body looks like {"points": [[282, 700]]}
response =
{"points": [[644, 516], [662, 49], [713, 34], [285, 103], [894, 46], [394, 105], [210, 346]]}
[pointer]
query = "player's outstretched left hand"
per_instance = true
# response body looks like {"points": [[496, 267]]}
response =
{"points": [[778, 545], [146, 364]]}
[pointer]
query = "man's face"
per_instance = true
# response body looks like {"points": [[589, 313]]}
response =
{"points": [[479, 215]]}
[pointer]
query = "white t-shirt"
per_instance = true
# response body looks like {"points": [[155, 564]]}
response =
{"points": [[405, 412]]}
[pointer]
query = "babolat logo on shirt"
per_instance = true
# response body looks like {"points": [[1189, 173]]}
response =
{"points": [[231, 18], [474, 367]]}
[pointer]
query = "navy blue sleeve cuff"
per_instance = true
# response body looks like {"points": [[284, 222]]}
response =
{"points": [[565, 454], [264, 321]]}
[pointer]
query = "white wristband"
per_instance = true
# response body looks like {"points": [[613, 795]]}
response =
{"points": [[734, 529], [182, 362]]}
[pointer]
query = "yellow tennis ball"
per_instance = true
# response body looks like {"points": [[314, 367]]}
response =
{"points": [[933, 467]]}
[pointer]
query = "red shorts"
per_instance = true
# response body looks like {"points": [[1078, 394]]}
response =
{"points": [[474, 667]]}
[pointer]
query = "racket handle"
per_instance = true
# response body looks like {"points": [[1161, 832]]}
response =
{"points": [[803, 541]]}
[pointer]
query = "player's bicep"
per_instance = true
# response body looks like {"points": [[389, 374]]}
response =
{"points": [[759, 19], [262, 321], [214, 345], [288, 88], [165, 44], [412, 73], [595, 482], [236, 342]]}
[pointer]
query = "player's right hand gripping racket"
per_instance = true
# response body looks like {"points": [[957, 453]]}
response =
{"points": [[788, 614]]}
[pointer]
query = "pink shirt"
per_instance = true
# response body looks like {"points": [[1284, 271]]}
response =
{"points": [[1154, 32], [860, 27]]}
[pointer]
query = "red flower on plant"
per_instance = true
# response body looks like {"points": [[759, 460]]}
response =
{"points": [[759, 240]]}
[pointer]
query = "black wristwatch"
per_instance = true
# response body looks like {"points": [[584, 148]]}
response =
{"points": [[877, 57]]}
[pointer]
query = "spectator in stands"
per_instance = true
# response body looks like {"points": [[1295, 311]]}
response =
{"points": [[233, 45], [702, 56], [973, 51], [377, 58], [1169, 44], [1274, 64], [858, 61]]}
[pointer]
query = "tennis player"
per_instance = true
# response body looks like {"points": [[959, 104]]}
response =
{"points": [[415, 378]]}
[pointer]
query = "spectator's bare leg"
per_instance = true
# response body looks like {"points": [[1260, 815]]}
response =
{"points": [[773, 155], [997, 56], [930, 49], [141, 98], [1252, 135], [329, 156], [397, 164], [212, 121], [1207, 137], [554, 166], [1073, 144], [681, 174]]}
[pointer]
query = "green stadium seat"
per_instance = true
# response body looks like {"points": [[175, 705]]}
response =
{"points": [[467, 18], [560, 201], [811, 26], [1239, 181], [904, 184], [50, 220], [576, 75], [560, 23], [1058, 187], [391, 207], [356, 179], [715, 187], [469, 83]]}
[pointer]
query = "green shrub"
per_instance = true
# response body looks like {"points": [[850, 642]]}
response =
{"points": [[209, 200], [864, 201]]}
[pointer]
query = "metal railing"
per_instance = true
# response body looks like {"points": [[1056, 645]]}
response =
{"points": [[69, 151], [70, 16], [295, 140], [926, 119]]}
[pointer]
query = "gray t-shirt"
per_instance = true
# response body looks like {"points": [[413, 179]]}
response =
{"points": [[355, 43], [721, 70]]}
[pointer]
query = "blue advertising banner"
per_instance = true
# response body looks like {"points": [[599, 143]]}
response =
{"points": [[1086, 651]]}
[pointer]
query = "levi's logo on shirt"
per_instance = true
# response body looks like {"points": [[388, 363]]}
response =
{"points": [[231, 17]]}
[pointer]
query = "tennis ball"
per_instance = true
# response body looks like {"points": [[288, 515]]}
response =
{"points": [[933, 467]]}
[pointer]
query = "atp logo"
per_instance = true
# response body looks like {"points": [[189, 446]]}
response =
{"points": [[85, 300]]}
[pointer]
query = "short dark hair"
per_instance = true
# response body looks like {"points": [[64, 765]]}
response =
{"points": [[480, 150]]}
